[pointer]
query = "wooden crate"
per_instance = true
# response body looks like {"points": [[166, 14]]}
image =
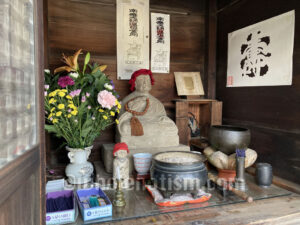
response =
{"points": [[207, 112]]}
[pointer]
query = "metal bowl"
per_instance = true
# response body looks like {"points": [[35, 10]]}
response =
{"points": [[178, 171], [227, 139]]}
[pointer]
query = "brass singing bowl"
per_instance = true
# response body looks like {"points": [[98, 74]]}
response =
{"points": [[227, 138]]}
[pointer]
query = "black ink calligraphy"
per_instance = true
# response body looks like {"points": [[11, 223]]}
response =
{"points": [[160, 30], [133, 22], [254, 54]]}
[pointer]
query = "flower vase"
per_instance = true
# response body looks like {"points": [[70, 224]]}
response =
{"points": [[79, 170]]}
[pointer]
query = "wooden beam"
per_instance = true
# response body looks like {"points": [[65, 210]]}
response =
{"points": [[40, 42], [211, 49]]}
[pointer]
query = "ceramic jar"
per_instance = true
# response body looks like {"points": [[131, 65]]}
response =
{"points": [[79, 170], [263, 174]]}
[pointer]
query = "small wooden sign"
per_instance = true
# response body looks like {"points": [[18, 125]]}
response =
{"points": [[188, 83]]}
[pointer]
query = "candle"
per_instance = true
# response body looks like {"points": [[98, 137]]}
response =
{"points": [[118, 173]]}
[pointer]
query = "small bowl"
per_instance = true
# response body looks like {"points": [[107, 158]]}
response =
{"points": [[142, 162]]}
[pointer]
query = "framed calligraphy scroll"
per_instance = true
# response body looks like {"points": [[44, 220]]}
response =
{"points": [[262, 54], [188, 83], [132, 37], [160, 43]]}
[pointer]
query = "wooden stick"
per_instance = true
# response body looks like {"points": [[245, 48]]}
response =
{"points": [[238, 193]]}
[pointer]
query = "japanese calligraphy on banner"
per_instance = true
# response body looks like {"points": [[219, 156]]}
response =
{"points": [[132, 37], [160, 43], [262, 54]]}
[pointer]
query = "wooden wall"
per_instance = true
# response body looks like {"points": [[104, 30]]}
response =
{"points": [[91, 25], [272, 113]]}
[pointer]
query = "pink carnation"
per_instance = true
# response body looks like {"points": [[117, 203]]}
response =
{"points": [[65, 81], [106, 99], [75, 93]]}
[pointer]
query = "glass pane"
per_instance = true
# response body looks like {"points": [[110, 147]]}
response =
{"points": [[18, 119]]}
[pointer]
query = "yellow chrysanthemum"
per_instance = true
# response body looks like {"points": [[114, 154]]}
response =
{"points": [[72, 106], [52, 94], [61, 106], [50, 115], [58, 113], [118, 111], [52, 100], [112, 113], [69, 115], [52, 109], [117, 121], [105, 117], [64, 90], [101, 110], [61, 94], [68, 97], [55, 121], [119, 106], [74, 112]]}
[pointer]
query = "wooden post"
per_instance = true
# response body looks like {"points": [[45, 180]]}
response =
{"points": [[211, 51], [182, 122]]}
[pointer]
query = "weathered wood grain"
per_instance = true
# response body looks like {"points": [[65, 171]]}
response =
{"points": [[281, 210], [92, 26], [272, 113]]}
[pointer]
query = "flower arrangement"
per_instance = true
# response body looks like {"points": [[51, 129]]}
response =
{"points": [[79, 104]]}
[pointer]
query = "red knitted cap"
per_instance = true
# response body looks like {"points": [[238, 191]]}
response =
{"points": [[120, 146], [138, 73]]}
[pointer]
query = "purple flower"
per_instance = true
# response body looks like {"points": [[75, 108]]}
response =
{"points": [[75, 93], [87, 94], [45, 93], [46, 86], [83, 99], [89, 107], [65, 81]]}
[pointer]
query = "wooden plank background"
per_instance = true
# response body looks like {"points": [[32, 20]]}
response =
{"points": [[272, 113], [91, 25]]}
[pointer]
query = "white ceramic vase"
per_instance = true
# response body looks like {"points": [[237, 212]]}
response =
{"points": [[79, 170]]}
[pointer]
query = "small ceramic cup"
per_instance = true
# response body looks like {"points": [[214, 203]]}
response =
{"points": [[263, 174], [142, 162]]}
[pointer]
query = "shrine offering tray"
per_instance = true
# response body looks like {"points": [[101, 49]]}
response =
{"points": [[139, 203]]}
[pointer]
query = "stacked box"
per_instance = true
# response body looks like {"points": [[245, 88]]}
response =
{"points": [[61, 217], [95, 212]]}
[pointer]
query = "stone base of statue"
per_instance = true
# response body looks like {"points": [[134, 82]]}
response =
{"points": [[107, 154]]}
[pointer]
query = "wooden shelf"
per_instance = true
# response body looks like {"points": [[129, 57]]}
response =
{"points": [[207, 112]]}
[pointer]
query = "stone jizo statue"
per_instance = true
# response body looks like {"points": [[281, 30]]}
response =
{"points": [[121, 165], [143, 119]]}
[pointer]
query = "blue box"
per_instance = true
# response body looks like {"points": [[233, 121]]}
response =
{"points": [[95, 212]]}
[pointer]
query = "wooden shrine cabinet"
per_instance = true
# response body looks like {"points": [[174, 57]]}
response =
{"points": [[207, 112]]}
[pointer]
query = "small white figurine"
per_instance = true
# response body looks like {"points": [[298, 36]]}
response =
{"points": [[121, 165]]}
